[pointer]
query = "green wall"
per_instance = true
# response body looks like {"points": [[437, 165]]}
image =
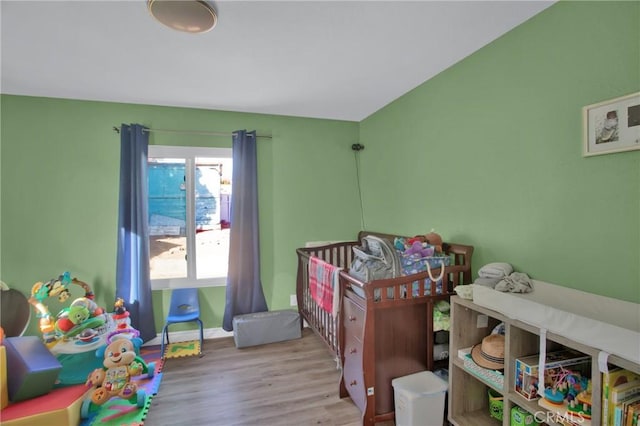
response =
{"points": [[59, 183], [489, 152]]}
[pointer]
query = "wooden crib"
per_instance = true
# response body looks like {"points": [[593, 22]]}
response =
{"points": [[385, 327]]}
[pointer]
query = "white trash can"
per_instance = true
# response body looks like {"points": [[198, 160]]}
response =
{"points": [[419, 399]]}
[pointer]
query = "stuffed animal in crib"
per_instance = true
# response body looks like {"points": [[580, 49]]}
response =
{"points": [[417, 238], [121, 363], [435, 240], [422, 249]]}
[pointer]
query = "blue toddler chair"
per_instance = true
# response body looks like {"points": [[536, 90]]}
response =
{"points": [[184, 307]]}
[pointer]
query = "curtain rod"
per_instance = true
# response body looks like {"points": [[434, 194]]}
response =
{"points": [[193, 132]]}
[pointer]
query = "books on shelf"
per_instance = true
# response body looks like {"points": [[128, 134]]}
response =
{"points": [[633, 415], [614, 378], [624, 412], [625, 391]]}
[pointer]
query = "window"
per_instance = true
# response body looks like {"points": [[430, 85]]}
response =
{"points": [[189, 215]]}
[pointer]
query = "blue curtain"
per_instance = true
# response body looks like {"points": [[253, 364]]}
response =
{"points": [[133, 284], [244, 288]]}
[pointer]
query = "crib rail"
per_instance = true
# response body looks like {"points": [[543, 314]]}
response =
{"points": [[322, 322], [406, 289]]}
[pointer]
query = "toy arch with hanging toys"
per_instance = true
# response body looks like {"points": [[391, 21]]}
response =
{"points": [[82, 314]]}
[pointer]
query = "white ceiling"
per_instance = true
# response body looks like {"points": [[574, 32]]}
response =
{"points": [[325, 59]]}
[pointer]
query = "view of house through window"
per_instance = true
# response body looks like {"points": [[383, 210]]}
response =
{"points": [[189, 215]]}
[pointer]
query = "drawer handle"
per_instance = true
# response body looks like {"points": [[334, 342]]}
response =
{"points": [[353, 351], [353, 383], [352, 318]]}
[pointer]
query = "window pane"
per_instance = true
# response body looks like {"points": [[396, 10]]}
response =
{"points": [[167, 218], [212, 217]]}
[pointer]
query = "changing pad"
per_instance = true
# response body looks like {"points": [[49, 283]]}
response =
{"points": [[608, 324]]}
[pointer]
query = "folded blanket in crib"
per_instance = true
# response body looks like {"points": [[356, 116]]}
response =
{"points": [[323, 284], [495, 270]]}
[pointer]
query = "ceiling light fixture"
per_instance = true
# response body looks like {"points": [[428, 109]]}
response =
{"points": [[191, 16]]}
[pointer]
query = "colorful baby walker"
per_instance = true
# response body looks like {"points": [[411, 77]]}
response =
{"points": [[121, 363]]}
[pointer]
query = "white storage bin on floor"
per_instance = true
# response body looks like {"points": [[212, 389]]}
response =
{"points": [[419, 399]]}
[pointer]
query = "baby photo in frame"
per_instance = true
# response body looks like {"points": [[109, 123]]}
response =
{"points": [[612, 126]]}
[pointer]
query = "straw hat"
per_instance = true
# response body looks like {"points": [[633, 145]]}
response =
{"points": [[490, 353]]}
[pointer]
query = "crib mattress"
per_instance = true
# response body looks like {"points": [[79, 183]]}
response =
{"points": [[608, 324]]}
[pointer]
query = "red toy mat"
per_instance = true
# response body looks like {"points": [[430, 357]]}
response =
{"points": [[57, 399]]}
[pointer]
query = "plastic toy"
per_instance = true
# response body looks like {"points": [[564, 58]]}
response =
{"points": [[121, 363], [74, 315], [82, 314], [581, 404], [567, 385], [121, 315], [521, 417], [119, 308], [54, 287]]}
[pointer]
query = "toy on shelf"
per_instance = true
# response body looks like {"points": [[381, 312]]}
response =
{"points": [[121, 364], [581, 405], [571, 388]]}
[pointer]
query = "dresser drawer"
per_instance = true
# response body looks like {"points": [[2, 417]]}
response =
{"points": [[352, 348], [352, 372], [353, 319]]}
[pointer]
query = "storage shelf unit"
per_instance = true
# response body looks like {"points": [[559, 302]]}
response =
{"points": [[468, 393]]}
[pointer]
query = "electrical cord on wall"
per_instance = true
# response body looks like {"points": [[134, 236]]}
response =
{"points": [[356, 147]]}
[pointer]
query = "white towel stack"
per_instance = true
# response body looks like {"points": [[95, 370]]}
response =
{"points": [[500, 276], [494, 270]]}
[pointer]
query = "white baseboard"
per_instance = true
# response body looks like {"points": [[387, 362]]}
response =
{"points": [[187, 335]]}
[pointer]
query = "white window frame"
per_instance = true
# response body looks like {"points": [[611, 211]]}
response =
{"points": [[189, 154]]}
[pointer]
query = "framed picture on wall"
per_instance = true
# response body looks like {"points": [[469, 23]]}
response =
{"points": [[612, 126]]}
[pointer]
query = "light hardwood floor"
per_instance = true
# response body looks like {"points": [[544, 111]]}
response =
{"points": [[286, 383]]}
